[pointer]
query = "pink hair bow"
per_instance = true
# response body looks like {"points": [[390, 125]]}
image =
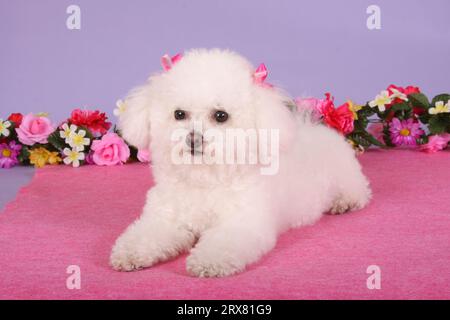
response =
{"points": [[168, 62], [260, 76]]}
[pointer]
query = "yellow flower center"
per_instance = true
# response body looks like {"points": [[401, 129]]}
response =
{"points": [[6, 153], [405, 132], [77, 140], [441, 109], [1, 127], [73, 155]]}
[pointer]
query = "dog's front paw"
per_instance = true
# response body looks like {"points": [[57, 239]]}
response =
{"points": [[126, 258], [200, 265]]}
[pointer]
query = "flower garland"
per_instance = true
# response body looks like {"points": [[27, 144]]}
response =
{"points": [[84, 138], [395, 117]]}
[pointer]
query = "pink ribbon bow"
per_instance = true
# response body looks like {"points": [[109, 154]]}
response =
{"points": [[260, 76], [168, 62]]}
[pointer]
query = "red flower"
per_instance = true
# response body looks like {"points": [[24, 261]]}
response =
{"points": [[407, 91], [340, 118], [95, 121], [16, 118]]}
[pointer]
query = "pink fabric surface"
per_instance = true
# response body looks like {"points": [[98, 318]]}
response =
{"points": [[72, 217]]}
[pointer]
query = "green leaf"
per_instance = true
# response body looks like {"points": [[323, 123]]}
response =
{"points": [[358, 139], [387, 136], [24, 156], [56, 141], [400, 107], [425, 118], [440, 97], [437, 125], [372, 139], [419, 100]]}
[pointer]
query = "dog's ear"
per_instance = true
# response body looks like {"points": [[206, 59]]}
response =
{"points": [[134, 121], [273, 113]]}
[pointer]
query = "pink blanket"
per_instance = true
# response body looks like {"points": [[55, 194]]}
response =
{"points": [[72, 217]]}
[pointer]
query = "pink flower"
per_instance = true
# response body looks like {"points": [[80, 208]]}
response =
{"points": [[436, 143], [34, 129], [110, 150], [376, 129], [310, 105], [143, 155], [405, 132]]}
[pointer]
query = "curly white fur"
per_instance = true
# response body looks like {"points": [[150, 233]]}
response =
{"points": [[228, 216]]}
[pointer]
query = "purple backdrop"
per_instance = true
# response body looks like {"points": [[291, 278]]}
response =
{"points": [[310, 47]]}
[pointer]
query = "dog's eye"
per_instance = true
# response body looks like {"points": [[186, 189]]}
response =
{"points": [[179, 114], [221, 116]]}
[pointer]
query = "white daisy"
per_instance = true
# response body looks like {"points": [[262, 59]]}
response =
{"points": [[73, 157], [440, 107], [4, 125], [77, 140], [67, 131], [381, 101], [120, 108]]}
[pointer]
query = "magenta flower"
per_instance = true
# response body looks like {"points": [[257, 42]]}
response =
{"points": [[8, 154], [405, 132]]}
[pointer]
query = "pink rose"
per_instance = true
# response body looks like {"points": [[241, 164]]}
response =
{"points": [[436, 143], [110, 150], [34, 129], [143, 155], [310, 105]]}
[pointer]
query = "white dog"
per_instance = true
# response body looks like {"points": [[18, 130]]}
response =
{"points": [[228, 215]]}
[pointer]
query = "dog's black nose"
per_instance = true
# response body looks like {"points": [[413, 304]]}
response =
{"points": [[194, 139]]}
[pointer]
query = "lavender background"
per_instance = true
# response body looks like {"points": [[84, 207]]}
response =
{"points": [[310, 47]]}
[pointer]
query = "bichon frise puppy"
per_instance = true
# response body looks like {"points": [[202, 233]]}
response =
{"points": [[227, 205]]}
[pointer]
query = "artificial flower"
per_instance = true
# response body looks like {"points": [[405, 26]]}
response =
{"points": [[376, 130], [397, 94], [436, 143], [95, 121], [340, 118], [78, 141], [120, 108], [381, 101], [354, 108], [8, 154], [53, 157], [89, 158], [404, 132], [440, 107], [16, 118], [110, 150], [4, 125], [34, 129], [73, 156], [39, 157], [67, 131], [309, 106], [143, 155]]}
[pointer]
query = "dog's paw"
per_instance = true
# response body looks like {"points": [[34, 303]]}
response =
{"points": [[199, 266], [126, 259], [343, 205]]}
